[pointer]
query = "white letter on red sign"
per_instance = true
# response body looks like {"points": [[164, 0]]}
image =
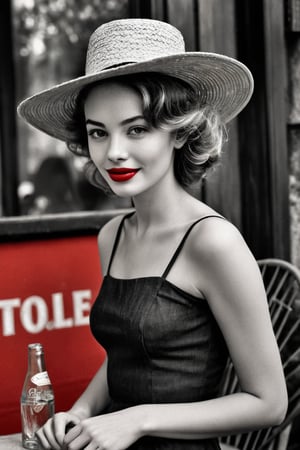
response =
{"points": [[59, 320], [81, 303], [27, 316], [8, 320]]}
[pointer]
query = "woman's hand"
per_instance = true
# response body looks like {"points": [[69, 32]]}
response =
{"points": [[114, 431], [52, 434]]}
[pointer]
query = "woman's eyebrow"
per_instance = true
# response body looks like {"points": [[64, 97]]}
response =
{"points": [[124, 122], [95, 122], [132, 119]]}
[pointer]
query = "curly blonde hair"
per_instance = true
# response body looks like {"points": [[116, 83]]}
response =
{"points": [[170, 104]]}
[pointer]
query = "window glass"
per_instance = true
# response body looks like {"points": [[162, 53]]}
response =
{"points": [[50, 41]]}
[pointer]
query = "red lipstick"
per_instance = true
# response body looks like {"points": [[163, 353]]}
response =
{"points": [[120, 174]]}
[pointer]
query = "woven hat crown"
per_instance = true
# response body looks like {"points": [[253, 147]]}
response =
{"points": [[130, 41]]}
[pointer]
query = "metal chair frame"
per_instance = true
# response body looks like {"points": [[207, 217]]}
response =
{"points": [[282, 284]]}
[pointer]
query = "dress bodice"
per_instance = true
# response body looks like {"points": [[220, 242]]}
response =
{"points": [[163, 346]]}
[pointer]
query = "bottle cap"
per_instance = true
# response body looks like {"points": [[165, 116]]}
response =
{"points": [[36, 346]]}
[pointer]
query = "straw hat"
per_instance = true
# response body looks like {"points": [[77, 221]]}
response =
{"points": [[130, 46]]}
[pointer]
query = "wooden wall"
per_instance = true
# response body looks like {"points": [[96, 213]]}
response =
{"points": [[263, 128]]}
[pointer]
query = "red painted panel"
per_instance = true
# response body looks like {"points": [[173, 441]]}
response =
{"points": [[47, 288]]}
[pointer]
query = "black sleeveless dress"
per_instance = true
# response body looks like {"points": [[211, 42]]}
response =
{"points": [[163, 346]]}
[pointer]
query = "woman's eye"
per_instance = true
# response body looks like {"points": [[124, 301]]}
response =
{"points": [[96, 133], [137, 131]]}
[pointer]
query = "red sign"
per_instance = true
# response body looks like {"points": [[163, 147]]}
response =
{"points": [[47, 288]]}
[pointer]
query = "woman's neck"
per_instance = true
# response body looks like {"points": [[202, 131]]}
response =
{"points": [[159, 208]]}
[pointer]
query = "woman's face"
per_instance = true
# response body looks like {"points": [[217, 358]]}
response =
{"points": [[131, 155]]}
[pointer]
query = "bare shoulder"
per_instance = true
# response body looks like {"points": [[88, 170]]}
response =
{"points": [[216, 234], [106, 238], [222, 258], [217, 242]]}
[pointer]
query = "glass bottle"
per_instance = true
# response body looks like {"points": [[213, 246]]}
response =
{"points": [[37, 399]]}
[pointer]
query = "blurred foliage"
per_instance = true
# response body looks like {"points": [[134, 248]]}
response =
{"points": [[37, 22]]}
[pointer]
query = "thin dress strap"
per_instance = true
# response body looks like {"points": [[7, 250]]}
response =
{"points": [[117, 238], [182, 242]]}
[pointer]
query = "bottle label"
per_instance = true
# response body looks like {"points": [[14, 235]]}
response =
{"points": [[37, 399], [41, 379]]}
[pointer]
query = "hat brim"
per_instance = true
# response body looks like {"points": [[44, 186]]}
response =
{"points": [[223, 82]]}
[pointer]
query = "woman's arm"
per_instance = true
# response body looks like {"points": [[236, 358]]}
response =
{"points": [[95, 398]]}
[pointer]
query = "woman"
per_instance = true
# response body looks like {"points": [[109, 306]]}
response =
{"points": [[181, 288]]}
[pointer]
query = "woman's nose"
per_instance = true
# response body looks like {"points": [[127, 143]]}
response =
{"points": [[117, 150]]}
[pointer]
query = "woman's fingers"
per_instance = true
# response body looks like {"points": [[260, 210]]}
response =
{"points": [[47, 438], [92, 446], [62, 422], [75, 439], [52, 434]]}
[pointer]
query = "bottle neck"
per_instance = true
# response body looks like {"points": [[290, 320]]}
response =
{"points": [[36, 362]]}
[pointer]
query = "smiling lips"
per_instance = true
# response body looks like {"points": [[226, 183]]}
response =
{"points": [[121, 174]]}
